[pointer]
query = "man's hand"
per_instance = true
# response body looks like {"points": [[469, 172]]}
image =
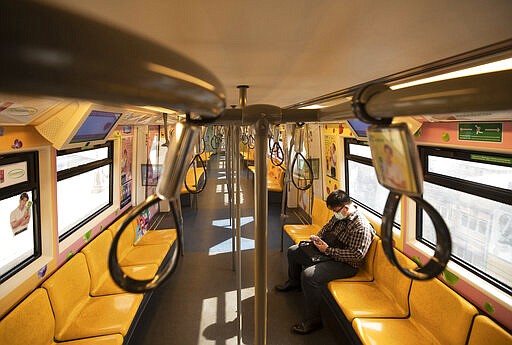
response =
{"points": [[319, 243]]}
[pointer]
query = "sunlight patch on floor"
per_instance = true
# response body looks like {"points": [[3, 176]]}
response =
{"points": [[219, 318]]}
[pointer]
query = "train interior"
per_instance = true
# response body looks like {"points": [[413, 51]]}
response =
{"points": [[156, 157]]}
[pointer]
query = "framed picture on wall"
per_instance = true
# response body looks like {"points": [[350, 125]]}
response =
{"points": [[150, 174]]}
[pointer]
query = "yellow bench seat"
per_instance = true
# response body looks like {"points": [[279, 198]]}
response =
{"points": [[152, 249], [319, 216], [32, 322], [485, 331], [438, 315], [385, 296], [163, 236], [96, 254], [77, 314]]}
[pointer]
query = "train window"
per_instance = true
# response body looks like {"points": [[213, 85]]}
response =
{"points": [[472, 192], [360, 179], [20, 239], [84, 186]]}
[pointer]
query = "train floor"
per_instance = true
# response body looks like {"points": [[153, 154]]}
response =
{"points": [[197, 305]]}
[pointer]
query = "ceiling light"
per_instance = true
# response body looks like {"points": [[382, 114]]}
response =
{"points": [[496, 66]]}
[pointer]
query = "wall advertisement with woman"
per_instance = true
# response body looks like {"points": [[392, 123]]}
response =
{"points": [[331, 157]]}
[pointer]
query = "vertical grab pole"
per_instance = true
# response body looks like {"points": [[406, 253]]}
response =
{"points": [[236, 174], [287, 175], [242, 90], [260, 224], [230, 183]]}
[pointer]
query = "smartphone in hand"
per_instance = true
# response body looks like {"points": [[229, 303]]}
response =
{"points": [[314, 238]]}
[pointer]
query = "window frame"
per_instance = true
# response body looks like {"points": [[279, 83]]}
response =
{"points": [[84, 168], [365, 161], [469, 187], [32, 185]]}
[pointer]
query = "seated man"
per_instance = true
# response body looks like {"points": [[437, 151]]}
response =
{"points": [[345, 239]]}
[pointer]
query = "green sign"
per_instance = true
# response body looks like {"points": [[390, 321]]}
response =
{"points": [[493, 159], [491, 132]]}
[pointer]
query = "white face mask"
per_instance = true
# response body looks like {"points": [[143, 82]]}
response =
{"points": [[339, 216]]}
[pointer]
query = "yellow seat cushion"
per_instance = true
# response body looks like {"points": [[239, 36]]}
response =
{"points": [[393, 332], [163, 236], [301, 232], [31, 322], [148, 254], [438, 316], [77, 314], [96, 254], [485, 331], [385, 296], [112, 339]]}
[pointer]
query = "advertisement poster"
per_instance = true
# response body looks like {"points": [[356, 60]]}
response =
{"points": [[126, 170], [14, 173], [142, 225], [395, 168], [331, 157], [126, 159]]}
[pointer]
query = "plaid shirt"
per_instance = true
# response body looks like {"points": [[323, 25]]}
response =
{"points": [[348, 239]]}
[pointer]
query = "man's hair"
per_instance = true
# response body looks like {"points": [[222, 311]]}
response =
{"points": [[24, 196], [337, 198]]}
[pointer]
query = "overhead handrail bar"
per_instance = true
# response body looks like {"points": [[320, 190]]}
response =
{"points": [[168, 187], [472, 94], [82, 67]]}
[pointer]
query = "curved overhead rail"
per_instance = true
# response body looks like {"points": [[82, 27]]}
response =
{"points": [[58, 53]]}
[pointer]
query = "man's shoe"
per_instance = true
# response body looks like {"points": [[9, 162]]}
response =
{"points": [[287, 286], [306, 327]]}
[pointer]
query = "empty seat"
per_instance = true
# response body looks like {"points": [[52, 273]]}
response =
{"points": [[485, 331], [96, 254], [438, 316], [32, 322], [77, 314], [385, 296]]}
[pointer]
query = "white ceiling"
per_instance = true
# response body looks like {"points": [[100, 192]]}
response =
{"points": [[292, 50]]}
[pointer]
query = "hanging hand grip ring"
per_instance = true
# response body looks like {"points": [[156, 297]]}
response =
{"points": [[438, 262], [122, 279], [310, 171]]}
